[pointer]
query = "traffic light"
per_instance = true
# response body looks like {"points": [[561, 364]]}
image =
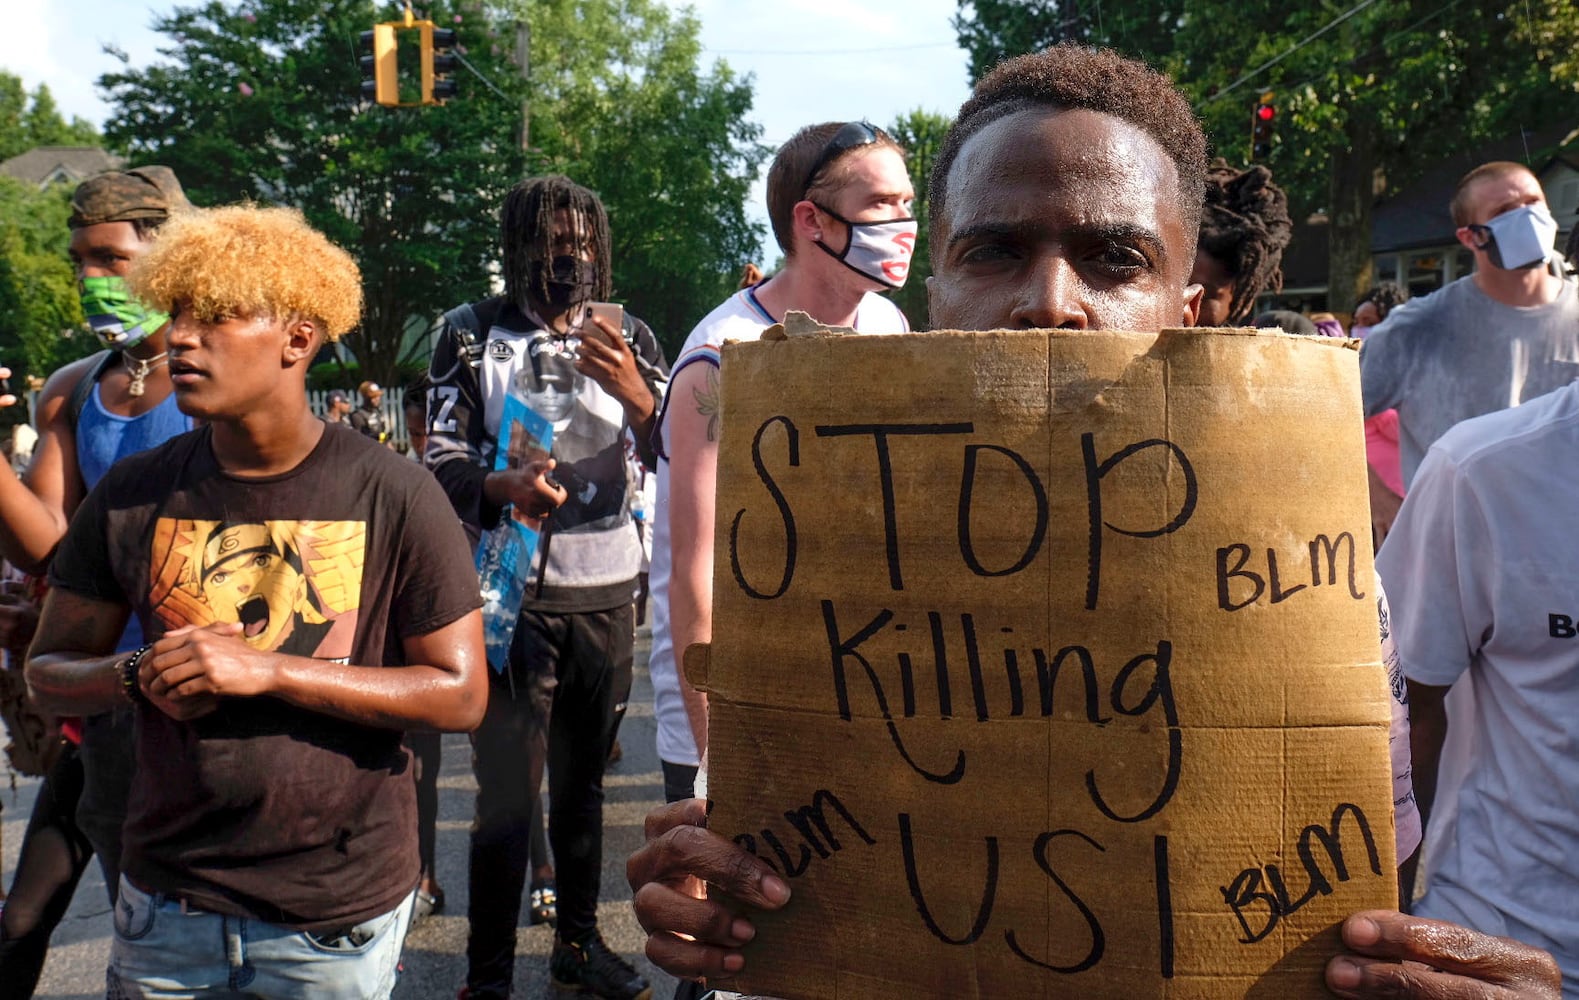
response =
{"points": [[438, 62], [1261, 127], [381, 76], [380, 72]]}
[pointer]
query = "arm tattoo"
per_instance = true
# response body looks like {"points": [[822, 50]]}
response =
{"points": [[707, 402]]}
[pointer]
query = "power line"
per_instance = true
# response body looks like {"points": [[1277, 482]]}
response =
{"points": [[1378, 47], [1296, 47], [836, 52], [487, 82]]}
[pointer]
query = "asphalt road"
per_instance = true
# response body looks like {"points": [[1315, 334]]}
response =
{"points": [[435, 963]]}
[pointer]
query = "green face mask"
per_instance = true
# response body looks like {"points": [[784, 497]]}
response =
{"points": [[118, 319]]}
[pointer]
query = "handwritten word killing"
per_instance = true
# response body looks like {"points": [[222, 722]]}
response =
{"points": [[1142, 684]]}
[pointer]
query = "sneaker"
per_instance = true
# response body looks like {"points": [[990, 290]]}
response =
{"points": [[588, 966]]}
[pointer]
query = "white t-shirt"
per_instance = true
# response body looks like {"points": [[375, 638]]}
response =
{"points": [[1482, 569], [739, 317]]}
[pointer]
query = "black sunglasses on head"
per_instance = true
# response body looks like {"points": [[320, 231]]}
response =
{"points": [[851, 135]]}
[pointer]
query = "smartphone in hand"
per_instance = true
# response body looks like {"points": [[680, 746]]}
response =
{"points": [[611, 313]]}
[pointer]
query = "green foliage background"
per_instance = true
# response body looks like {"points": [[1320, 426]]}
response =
{"points": [[260, 100], [1381, 91], [41, 325], [921, 134]]}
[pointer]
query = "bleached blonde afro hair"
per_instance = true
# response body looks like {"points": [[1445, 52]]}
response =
{"points": [[242, 260]]}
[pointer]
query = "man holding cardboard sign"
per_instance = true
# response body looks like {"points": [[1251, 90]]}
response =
{"points": [[1066, 197]]}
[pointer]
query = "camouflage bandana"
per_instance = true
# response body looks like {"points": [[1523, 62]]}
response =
{"points": [[147, 193]]}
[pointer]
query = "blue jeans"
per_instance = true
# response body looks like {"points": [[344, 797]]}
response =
{"points": [[164, 950]]}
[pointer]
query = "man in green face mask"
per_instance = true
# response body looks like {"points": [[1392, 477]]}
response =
{"points": [[90, 414]]}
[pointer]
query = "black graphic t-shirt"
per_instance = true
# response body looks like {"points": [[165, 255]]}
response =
{"points": [[263, 809]]}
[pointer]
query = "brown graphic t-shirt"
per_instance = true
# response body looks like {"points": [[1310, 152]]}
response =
{"points": [[263, 809]]}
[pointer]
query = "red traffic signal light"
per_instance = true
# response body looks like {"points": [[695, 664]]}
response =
{"points": [[1261, 127]]}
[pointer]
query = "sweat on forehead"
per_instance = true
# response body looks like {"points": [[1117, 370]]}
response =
{"points": [[1075, 76], [1045, 167]]}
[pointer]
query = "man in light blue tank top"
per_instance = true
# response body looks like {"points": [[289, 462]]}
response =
{"points": [[90, 414]]}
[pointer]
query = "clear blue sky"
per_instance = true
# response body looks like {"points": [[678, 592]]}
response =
{"points": [[814, 60]]}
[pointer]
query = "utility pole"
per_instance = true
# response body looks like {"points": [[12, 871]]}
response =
{"points": [[523, 43]]}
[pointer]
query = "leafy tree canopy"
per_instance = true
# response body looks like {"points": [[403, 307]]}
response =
{"points": [[29, 120], [41, 324], [921, 134], [260, 99], [1369, 96]]}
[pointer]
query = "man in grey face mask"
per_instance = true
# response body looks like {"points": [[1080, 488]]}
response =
{"points": [[1493, 339]]}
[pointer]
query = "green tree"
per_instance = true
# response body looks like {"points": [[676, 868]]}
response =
{"points": [[261, 100], [41, 325], [1369, 97], [621, 103], [33, 120], [921, 134]]}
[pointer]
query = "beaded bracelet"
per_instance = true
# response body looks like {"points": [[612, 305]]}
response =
{"points": [[129, 685]]}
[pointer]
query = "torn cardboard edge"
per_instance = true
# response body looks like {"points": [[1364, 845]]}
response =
{"points": [[798, 324]]}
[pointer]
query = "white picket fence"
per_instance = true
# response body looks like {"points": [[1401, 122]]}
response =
{"points": [[318, 399]]}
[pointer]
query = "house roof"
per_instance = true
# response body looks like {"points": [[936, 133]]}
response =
{"points": [[44, 165], [1417, 216]]}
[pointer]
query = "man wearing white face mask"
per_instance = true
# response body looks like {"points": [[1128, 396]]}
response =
{"points": [[839, 199], [1503, 335]]}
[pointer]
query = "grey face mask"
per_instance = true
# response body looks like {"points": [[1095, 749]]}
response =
{"points": [[1518, 239]]}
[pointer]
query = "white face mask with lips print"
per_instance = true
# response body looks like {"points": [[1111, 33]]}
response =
{"points": [[877, 250]]}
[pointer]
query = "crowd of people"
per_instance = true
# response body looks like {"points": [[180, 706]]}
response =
{"points": [[257, 623]]}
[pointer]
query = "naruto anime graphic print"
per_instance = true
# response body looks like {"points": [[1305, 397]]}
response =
{"points": [[294, 586]]}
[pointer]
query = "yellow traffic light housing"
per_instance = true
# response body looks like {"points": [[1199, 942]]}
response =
{"points": [[380, 72], [438, 62], [380, 62]]}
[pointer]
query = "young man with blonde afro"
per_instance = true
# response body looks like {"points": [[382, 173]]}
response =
{"points": [[305, 597]]}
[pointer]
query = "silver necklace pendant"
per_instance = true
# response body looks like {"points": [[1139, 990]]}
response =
{"points": [[139, 369]]}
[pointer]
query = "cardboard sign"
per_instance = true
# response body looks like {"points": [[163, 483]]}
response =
{"points": [[1046, 664]]}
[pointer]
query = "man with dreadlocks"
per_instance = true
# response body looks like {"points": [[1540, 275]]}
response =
{"points": [[1244, 230], [562, 694], [1066, 196]]}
